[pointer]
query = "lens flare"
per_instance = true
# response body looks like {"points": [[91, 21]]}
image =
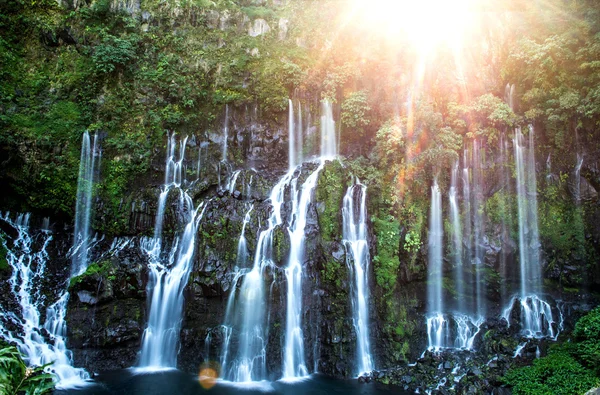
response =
{"points": [[426, 24], [208, 375]]}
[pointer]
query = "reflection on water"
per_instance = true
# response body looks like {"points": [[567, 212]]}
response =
{"points": [[167, 382]]}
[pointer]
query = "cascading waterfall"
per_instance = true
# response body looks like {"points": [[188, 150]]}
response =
{"points": [[248, 362], [39, 343], [294, 364], [169, 275], [295, 136], [230, 187], [358, 260], [329, 149], [457, 249], [437, 326], [246, 316], [478, 229], [291, 137], [536, 314], [88, 168], [29, 268], [578, 166], [242, 249]]}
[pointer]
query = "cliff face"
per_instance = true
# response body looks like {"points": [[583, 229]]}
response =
{"points": [[108, 306]]}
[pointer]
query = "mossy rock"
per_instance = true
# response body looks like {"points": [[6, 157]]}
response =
{"points": [[331, 188]]}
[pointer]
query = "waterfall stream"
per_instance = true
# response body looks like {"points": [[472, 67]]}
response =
{"points": [[358, 260], [169, 268]]}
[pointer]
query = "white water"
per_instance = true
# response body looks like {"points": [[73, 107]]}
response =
{"points": [[478, 229], [291, 137], [232, 180], [27, 257], [436, 324], [578, 178], [248, 361], [295, 136], [457, 249], [225, 134], [535, 313], [329, 149], [294, 365], [169, 270], [88, 166], [242, 249], [358, 260], [466, 330]]}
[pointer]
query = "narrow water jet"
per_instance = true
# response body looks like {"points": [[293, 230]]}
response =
{"points": [[88, 168], [225, 134], [457, 249]]}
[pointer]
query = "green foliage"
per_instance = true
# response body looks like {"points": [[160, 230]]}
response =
{"points": [[104, 269], [556, 374], [113, 52], [331, 188], [16, 378], [354, 114], [587, 337], [386, 262], [3, 253]]}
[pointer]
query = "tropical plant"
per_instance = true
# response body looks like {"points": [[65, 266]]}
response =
{"points": [[17, 378]]}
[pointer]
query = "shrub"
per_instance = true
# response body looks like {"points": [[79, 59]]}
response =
{"points": [[17, 378], [556, 374]]}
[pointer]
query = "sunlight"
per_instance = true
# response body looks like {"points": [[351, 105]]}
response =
{"points": [[426, 24]]}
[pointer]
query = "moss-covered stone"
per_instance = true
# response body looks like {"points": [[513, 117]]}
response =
{"points": [[104, 269], [331, 188]]}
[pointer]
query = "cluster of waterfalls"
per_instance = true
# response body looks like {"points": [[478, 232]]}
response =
{"points": [[457, 325], [40, 332], [451, 322], [170, 260]]}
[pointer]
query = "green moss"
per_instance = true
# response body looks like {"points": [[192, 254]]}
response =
{"points": [[386, 261], [104, 268], [333, 272], [4, 266], [331, 188]]}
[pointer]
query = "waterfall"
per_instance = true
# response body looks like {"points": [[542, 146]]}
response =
{"points": [[578, 166], [358, 259], [232, 180], [242, 249], [294, 364], [88, 166], [295, 136], [457, 249], [291, 137], [39, 343], [225, 133], [328, 136], [300, 137], [536, 314], [169, 272], [436, 323], [249, 360], [478, 230]]}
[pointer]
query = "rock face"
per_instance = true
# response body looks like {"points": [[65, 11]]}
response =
{"points": [[108, 305]]}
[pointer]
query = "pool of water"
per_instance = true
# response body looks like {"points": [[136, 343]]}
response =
{"points": [[171, 382]]}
